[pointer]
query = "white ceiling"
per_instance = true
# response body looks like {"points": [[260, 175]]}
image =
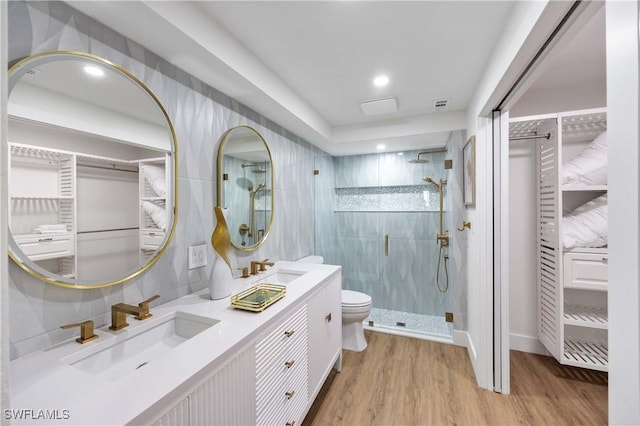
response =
{"points": [[308, 65]]}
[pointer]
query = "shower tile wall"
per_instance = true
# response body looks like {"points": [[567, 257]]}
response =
{"points": [[403, 280], [236, 201], [201, 115]]}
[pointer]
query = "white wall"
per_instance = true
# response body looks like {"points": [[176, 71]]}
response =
{"points": [[567, 98], [4, 279], [624, 200], [523, 325], [479, 259]]}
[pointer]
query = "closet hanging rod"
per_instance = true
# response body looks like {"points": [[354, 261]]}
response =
{"points": [[519, 138], [92, 166], [107, 230]]}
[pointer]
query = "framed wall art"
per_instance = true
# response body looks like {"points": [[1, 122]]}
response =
{"points": [[469, 172]]}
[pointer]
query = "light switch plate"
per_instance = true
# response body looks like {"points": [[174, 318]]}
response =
{"points": [[197, 256]]}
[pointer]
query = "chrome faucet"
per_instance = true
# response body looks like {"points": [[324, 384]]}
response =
{"points": [[262, 265], [119, 312]]}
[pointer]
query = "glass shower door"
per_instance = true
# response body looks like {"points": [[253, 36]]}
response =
{"points": [[380, 221]]}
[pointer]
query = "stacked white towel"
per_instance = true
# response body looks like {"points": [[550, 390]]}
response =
{"points": [[50, 229]]}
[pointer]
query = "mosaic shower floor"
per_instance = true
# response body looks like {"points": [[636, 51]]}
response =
{"points": [[413, 323]]}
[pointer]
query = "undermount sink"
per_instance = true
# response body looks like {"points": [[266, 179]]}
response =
{"points": [[282, 277], [136, 351]]}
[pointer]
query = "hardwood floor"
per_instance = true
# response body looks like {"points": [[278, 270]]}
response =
{"points": [[403, 381]]}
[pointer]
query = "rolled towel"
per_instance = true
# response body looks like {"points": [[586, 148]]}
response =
{"points": [[155, 177], [157, 214]]}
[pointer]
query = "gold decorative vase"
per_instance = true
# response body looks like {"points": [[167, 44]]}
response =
{"points": [[221, 280]]}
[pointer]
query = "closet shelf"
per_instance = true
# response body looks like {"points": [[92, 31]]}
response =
{"points": [[586, 316], [586, 355], [153, 198], [573, 188], [62, 197]]}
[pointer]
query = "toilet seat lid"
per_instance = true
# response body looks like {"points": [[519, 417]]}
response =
{"points": [[355, 298]]}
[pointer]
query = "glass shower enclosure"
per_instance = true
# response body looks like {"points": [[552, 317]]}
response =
{"points": [[378, 218]]}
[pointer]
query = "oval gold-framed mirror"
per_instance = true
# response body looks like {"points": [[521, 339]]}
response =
{"points": [[92, 171], [245, 186]]}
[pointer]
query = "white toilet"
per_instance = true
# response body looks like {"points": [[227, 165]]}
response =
{"points": [[356, 307]]}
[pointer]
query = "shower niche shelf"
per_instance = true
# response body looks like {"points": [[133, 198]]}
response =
{"points": [[404, 198]]}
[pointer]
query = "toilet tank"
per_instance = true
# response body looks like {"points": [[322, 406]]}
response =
{"points": [[311, 259]]}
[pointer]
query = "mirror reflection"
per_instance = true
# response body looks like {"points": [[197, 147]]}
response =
{"points": [[245, 184], [91, 171]]}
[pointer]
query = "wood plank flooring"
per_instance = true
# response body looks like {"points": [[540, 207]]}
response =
{"points": [[404, 381]]}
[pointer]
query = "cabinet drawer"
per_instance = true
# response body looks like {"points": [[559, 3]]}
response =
{"points": [[40, 247], [588, 271], [151, 239]]}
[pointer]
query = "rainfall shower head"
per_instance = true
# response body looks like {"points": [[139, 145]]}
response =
{"points": [[418, 161], [257, 169]]}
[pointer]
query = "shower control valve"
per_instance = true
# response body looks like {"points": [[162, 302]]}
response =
{"points": [[443, 239]]}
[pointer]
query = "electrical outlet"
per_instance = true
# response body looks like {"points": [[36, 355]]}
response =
{"points": [[197, 256]]}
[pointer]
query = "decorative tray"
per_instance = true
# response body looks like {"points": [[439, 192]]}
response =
{"points": [[259, 297]]}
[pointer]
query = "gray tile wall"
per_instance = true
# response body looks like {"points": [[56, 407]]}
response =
{"points": [[201, 115], [362, 214]]}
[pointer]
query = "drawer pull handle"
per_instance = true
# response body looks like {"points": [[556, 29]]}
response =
{"points": [[291, 423], [152, 234], [289, 364], [289, 395], [45, 240], [328, 317], [289, 333], [605, 258]]}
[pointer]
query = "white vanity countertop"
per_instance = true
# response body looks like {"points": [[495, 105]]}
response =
{"points": [[43, 381]]}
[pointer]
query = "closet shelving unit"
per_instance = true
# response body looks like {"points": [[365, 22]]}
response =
{"points": [[151, 235], [572, 284], [42, 189]]}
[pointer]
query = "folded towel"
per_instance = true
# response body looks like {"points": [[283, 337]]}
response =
{"points": [[50, 229]]}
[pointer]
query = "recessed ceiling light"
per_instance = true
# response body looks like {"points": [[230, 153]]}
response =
{"points": [[94, 71], [380, 147], [381, 81]]}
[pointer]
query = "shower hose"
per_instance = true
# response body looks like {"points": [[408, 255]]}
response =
{"points": [[446, 272]]}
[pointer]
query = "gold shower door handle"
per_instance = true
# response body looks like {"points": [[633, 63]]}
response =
{"points": [[386, 245]]}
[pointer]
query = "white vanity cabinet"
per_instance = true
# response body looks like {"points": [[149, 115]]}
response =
{"points": [[225, 398], [325, 333], [276, 379], [282, 372]]}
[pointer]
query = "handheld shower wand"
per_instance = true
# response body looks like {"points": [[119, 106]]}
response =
{"points": [[443, 236]]}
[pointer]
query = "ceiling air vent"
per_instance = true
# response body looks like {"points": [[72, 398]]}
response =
{"points": [[379, 106], [440, 105]]}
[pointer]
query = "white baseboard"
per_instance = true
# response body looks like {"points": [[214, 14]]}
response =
{"points": [[531, 344], [462, 338]]}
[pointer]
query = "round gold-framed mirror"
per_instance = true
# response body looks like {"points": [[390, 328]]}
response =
{"points": [[245, 186], [92, 171]]}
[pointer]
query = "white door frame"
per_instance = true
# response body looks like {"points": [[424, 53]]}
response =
{"points": [[501, 359]]}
